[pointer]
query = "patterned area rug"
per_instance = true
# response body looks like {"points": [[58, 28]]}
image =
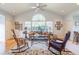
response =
{"points": [[39, 52], [40, 48]]}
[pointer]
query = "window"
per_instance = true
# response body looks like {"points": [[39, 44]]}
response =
{"points": [[76, 22], [38, 26], [38, 17], [28, 25], [39, 23], [49, 26]]}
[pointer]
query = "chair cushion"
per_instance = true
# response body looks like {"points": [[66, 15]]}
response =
{"points": [[56, 45]]}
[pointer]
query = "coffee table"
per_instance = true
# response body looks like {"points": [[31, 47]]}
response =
{"points": [[38, 37]]}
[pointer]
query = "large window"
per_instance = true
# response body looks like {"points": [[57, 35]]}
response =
{"points": [[38, 26], [39, 23], [38, 17]]}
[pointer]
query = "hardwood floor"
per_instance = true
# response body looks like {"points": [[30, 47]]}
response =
{"points": [[10, 43]]}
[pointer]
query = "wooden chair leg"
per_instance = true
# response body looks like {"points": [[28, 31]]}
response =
{"points": [[60, 52], [49, 47], [31, 42], [27, 45], [66, 50], [18, 47]]}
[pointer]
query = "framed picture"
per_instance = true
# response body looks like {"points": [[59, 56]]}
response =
{"points": [[58, 25], [18, 26]]}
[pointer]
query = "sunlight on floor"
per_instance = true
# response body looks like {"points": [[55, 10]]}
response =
{"points": [[74, 48]]}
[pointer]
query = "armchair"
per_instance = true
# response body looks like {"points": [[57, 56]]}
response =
{"points": [[59, 46]]}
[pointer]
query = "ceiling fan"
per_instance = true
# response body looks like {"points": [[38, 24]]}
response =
{"points": [[39, 6]]}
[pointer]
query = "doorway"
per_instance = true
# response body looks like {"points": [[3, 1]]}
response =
{"points": [[2, 34]]}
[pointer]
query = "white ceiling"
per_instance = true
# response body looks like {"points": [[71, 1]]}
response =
{"points": [[58, 8]]}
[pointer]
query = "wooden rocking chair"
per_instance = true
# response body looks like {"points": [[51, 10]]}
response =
{"points": [[21, 44]]}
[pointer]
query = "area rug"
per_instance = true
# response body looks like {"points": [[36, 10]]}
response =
{"points": [[39, 52], [40, 48]]}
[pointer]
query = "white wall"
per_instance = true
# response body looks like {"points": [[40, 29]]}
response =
{"points": [[27, 16], [9, 24]]}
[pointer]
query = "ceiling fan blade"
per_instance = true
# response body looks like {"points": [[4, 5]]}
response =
{"points": [[33, 7], [39, 6], [37, 9], [43, 5], [42, 9]]}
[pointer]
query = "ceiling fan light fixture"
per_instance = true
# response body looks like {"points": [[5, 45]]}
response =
{"points": [[37, 4]]}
